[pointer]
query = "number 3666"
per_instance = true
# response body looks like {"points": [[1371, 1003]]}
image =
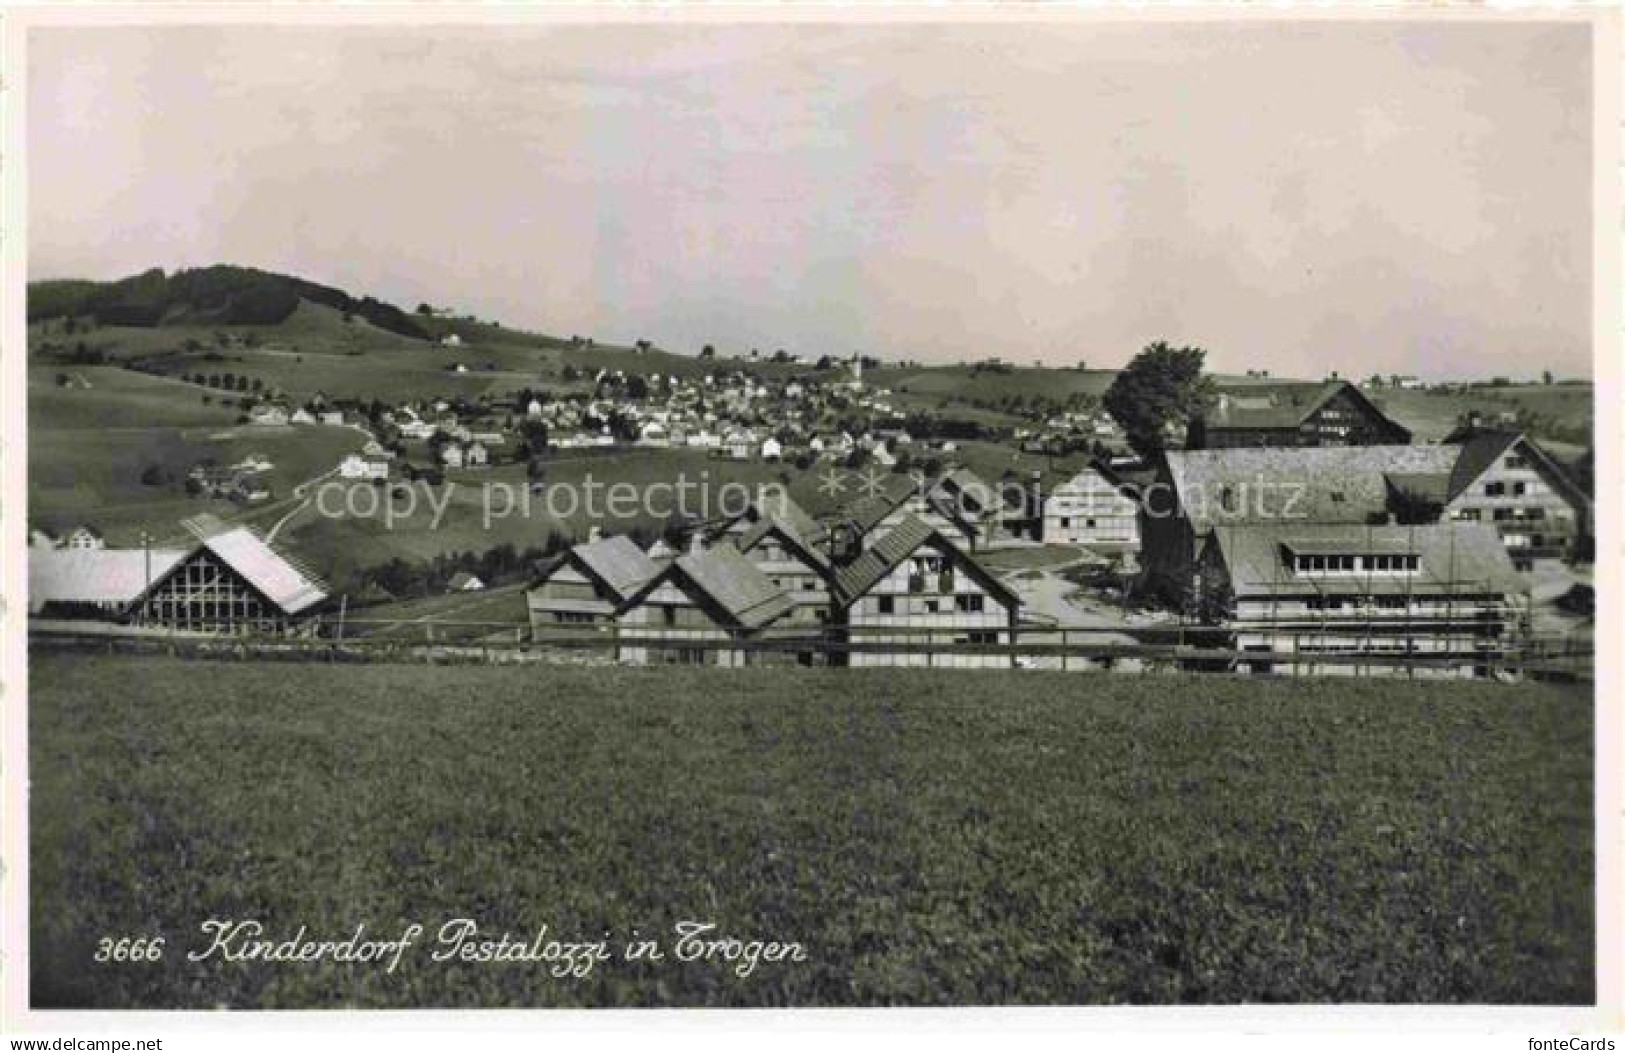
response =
{"points": [[130, 949]]}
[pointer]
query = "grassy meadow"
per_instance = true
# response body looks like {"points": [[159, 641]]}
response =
{"points": [[929, 838]]}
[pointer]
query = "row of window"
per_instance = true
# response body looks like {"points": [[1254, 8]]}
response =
{"points": [[1502, 488], [968, 603], [1369, 563]]}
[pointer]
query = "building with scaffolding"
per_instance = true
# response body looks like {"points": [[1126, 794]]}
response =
{"points": [[1332, 598]]}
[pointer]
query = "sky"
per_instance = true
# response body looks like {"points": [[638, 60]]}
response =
{"points": [[1298, 197]]}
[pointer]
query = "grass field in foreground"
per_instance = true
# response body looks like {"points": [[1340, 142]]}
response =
{"points": [[930, 838]]}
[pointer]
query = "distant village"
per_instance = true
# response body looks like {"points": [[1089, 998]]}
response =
{"points": [[1289, 518]]}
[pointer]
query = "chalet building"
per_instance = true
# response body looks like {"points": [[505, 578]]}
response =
{"points": [[916, 581], [1444, 592], [231, 582], [1331, 413], [1092, 511], [588, 583], [698, 600], [795, 565], [1505, 479]]}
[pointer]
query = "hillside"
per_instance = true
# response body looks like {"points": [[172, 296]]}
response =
{"points": [[218, 295]]}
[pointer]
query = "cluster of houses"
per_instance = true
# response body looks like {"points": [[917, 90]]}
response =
{"points": [[888, 582], [1297, 519], [1302, 520], [243, 482]]}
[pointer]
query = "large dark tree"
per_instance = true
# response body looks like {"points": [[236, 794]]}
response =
{"points": [[1161, 390]]}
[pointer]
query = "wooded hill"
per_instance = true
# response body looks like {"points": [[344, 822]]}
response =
{"points": [[218, 295]]}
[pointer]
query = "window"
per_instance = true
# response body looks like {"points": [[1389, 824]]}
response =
{"points": [[1337, 497], [1089, 523], [1496, 489], [1503, 514], [1534, 513], [969, 604], [888, 605], [982, 637], [931, 606], [1469, 515], [1066, 523], [1518, 489], [1515, 460], [669, 614]]}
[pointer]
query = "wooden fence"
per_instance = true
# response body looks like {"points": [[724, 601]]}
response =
{"points": [[1195, 648]]}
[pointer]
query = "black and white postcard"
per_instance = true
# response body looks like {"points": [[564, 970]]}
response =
{"points": [[850, 508]]}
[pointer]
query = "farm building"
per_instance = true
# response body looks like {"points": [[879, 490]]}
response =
{"points": [[1331, 413], [679, 615], [269, 413], [1090, 510], [1443, 592], [1495, 477], [359, 466], [231, 581], [83, 536], [588, 583], [1195, 491], [1505, 479], [463, 581], [915, 580]]}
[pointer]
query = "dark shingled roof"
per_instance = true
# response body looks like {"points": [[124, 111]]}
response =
{"points": [[859, 576], [1324, 484], [787, 533], [1459, 558], [777, 504], [617, 562], [1280, 406], [867, 512], [735, 584], [897, 544]]}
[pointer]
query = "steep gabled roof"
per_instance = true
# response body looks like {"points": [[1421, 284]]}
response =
{"points": [[735, 585], [789, 536], [1283, 405], [615, 562], [867, 512], [1482, 447], [275, 575], [899, 543]]}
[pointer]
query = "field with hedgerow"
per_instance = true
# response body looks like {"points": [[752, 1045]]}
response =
{"points": [[926, 837]]}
